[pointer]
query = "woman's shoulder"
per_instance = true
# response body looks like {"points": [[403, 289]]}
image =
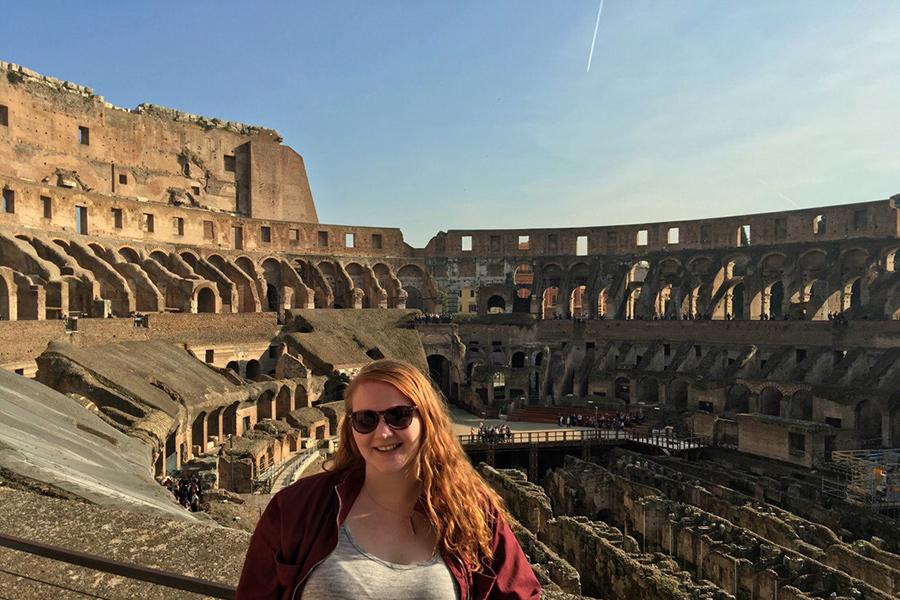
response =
{"points": [[310, 489]]}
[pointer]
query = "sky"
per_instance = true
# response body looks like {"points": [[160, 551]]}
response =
{"points": [[440, 115]]}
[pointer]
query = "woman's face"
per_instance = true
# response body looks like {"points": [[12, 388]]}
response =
{"points": [[386, 450]]}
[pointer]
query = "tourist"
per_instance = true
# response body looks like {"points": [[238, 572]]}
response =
{"points": [[399, 491]]}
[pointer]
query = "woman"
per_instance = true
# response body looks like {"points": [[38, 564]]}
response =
{"points": [[399, 513]]}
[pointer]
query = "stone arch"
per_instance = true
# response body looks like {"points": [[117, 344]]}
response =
{"points": [[264, 405], [677, 397], [890, 260], [550, 303], [440, 369], [665, 303], [301, 398], [770, 401], [412, 279], [8, 296], [206, 300], [631, 303], [246, 265], [775, 292], [283, 403], [523, 280], [271, 269], [129, 255], [578, 304], [357, 275], [868, 422], [638, 272], [252, 369], [234, 366], [648, 390], [623, 389], [801, 406], [737, 398], [736, 301], [496, 304], [190, 258], [517, 361]]}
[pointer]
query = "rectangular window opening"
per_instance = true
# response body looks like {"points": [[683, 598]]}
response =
{"points": [[178, 226], [238, 234], [84, 136], [123, 179], [4, 115], [147, 222], [796, 443], [47, 205], [642, 237], [780, 229], [117, 218], [322, 239], [209, 230], [81, 220], [706, 236], [674, 235], [524, 242], [9, 201], [860, 218], [229, 163], [819, 227], [349, 240], [612, 239], [495, 243], [265, 234], [294, 236], [466, 243], [833, 421], [698, 351], [705, 406], [377, 241], [581, 245], [552, 243], [743, 236], [195, 189], [210, 356]]}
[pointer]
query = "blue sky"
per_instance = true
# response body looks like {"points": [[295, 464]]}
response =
{"points": [[448, 115]]}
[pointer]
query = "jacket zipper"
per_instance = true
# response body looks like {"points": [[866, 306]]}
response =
{"points": [[337, 521]]}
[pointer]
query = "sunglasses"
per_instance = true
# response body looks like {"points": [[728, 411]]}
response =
{"points": [[396, 417]]}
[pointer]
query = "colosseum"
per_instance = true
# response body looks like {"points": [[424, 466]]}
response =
{"points": [[695, 409]]}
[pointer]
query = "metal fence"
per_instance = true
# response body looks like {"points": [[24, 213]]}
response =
{"points": [[563, 436]]}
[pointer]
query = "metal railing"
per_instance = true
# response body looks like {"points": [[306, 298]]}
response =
{"points": [[585, 435], [114, 567]]}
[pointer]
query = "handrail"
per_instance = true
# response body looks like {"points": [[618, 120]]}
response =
{"points": [[582, 435], [98, 563]]}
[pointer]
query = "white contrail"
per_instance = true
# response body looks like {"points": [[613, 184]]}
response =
{"points": [[594, 41], [777, 191]]}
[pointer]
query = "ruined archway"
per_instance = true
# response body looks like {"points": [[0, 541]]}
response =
{"points": [[770, 402], [440, 371], [523, 279], [252, 369], [518, 360], [206, 300], [496, 305], [868, 423], [737, 399], [623, 389], [648, 390], [678, 394], [801, 406], [283, 403]]}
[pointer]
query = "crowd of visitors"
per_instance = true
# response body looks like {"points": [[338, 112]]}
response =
{"points": [[608, 420], [491, 435], [433, 318], [187, 491]]}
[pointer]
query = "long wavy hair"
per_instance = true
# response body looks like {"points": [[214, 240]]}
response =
{"points": [[458, 503]]}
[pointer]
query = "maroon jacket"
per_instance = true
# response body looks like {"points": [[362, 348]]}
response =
{"points": [[299, 529]]}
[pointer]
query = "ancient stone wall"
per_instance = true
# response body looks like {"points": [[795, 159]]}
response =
{"points": [[60, 132]]}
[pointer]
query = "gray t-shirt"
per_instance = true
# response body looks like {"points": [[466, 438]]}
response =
{"points": [[350, 573]]}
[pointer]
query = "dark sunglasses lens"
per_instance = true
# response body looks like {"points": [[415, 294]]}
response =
{"points": [[365, 421], [399, 417]]}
